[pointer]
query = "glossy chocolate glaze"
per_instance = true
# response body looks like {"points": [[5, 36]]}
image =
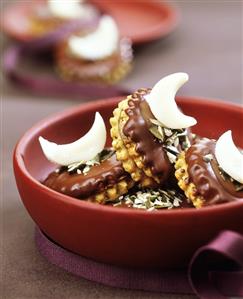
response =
{"points": [[137, 129], [206, 175], [101, 176]]}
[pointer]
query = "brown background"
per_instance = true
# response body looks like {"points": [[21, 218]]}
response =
{"points": [[207, 45]]}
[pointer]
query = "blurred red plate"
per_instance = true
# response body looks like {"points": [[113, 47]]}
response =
{"points": [[140, 20]]}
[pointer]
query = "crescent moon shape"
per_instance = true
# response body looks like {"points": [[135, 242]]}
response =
{"points": [[83, 149], [97, 45], [162, 102], [70, 9], [229, 157]]}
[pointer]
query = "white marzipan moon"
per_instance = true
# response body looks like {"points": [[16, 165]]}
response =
{"points": [[229, 157], [97, 45], [70, 9], [162, 102], [83, 149]]}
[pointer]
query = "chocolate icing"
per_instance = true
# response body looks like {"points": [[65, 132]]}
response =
{"points": [[101, 176], [206, 175], [137, 129]]}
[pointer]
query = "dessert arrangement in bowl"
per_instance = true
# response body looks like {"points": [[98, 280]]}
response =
{"points": [[140, 182], [152, 147], [89, 42], [86, 45], [97, 52]]}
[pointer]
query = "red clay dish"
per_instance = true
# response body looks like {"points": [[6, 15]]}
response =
{"points": [[122, 236], [142, 21]]}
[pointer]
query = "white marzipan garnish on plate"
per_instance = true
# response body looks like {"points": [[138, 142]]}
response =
{"points": [[83, 149], [99, 44], [162, 103], [71, 9], [229, 157]]}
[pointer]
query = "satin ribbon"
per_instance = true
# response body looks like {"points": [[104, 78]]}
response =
{"points": [[215, 271], [50, 85]]}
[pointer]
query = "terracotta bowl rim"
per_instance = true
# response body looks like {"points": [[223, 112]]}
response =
{"points": [[24, 141]]}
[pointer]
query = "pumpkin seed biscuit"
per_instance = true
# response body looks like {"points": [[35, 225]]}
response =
{"points": [[142, 153], [184, 183], [202, 179], [125, 148], [99, 180], [112, 193]]}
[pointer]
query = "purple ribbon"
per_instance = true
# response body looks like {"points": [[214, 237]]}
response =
{"points": [[49, 84], [215, 271]]}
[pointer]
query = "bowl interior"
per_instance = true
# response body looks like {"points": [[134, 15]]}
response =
{"points": [[214, 118]]}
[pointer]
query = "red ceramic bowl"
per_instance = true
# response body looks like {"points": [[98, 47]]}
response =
{"points": [[122, 236]]}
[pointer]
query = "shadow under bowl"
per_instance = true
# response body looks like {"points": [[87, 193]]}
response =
{"points": [[123, 236]]}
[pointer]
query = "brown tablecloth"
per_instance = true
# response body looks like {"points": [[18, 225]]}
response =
{"points": [[207, 45]]}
